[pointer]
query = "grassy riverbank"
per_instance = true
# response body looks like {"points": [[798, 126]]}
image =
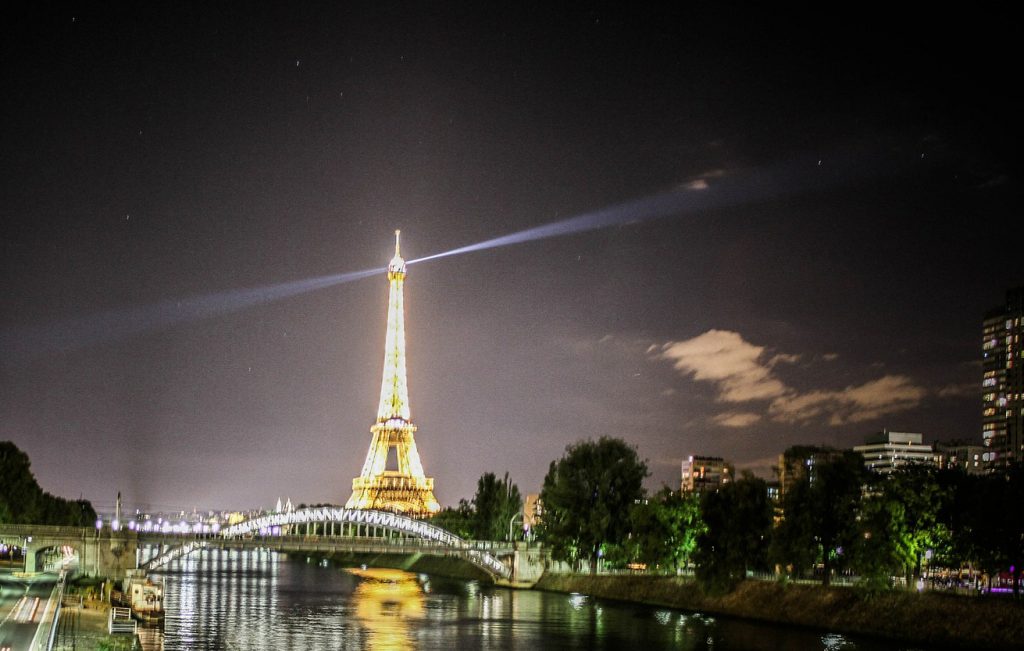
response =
{"points": [[930, 618]]}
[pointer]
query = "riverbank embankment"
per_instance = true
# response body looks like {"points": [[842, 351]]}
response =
{"points": [[928, 618]]}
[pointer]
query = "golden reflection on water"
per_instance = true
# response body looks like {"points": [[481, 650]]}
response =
{"points": [[385, 602]]}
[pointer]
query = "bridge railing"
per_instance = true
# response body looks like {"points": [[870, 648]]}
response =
{"points": [[46, 632], [49, 531], [483, 545], [482, 558], [279, 529], [493, 547], [120, 621], [481, 553], [45, 531], [400, 541], [402, 532]]}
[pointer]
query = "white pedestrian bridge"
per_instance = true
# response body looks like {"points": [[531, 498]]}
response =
{"points": [[332, 530], [350, 533]]}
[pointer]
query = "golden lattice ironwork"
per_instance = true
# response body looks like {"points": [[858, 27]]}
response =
{"points": [[405, 490]]}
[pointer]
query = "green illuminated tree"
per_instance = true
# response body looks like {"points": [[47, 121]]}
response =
{"points": [[900, 525], [883, 549], [664, 529], [587, 498], [922, 497]]}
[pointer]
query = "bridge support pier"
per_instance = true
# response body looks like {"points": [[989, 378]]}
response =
{"points": [[115, 556], [527, 564], [103, 554]]}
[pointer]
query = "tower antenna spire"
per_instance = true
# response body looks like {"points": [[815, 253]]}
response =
{"points": [[397, 233]]}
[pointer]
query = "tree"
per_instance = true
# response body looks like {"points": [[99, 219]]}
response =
{"points": [[495, 504], [22, 500], [883, 547], [997, 523], [793, 545], [954, 515], [902, 520], [664, 529], [587, 496], [1013, 523], [458, 520], [738, 520], [820, 514]]}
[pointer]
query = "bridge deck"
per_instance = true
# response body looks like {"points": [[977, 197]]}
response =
{"points": [[376, 533]]}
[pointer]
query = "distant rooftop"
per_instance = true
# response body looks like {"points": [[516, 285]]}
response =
{"points": [[885, 436]]}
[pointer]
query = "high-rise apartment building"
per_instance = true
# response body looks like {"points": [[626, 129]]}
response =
{"points": [[704, 474], [1002, 383]]}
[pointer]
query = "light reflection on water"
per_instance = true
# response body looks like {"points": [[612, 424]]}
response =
{"points": [[261, 600], [388, 603]]}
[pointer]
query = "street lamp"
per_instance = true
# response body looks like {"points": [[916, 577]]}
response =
{"points": [[510, 521]]}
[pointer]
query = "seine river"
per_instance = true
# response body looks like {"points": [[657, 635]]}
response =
{"points": [[263, 600]]}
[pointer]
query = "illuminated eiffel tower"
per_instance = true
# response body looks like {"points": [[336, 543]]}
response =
{"points": [[405, 490]]}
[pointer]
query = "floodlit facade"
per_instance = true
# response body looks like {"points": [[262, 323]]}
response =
{"points": [[1002, 383], [703, 474], [533, 510], [887, 451], [405, 489]]}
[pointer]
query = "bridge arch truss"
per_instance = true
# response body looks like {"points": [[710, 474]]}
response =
{"points": [[429, 537]]}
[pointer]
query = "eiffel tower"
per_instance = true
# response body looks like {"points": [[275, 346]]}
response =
{"points": [[405, 490]]}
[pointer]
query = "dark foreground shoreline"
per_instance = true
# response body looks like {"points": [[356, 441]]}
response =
{"points": [[930, 618]]}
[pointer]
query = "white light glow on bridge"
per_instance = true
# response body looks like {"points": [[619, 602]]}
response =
{"points": [[273, 524]]}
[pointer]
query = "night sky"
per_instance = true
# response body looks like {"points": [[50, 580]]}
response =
{"points": [[868, 177]]}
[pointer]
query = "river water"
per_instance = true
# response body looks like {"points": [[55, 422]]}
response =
{"points": [[218, 599]]}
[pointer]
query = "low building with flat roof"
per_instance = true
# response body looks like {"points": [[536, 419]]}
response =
{"points": [[971, 458], [886, 452]]}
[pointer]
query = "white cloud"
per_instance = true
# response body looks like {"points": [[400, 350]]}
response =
{"points": [[886, 395], [723, 357], [736, 419], [742, 372], [782, 358], [967, 390], [854, 404]]}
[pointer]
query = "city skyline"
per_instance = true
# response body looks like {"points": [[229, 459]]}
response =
{"points": [[853, 201]]}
